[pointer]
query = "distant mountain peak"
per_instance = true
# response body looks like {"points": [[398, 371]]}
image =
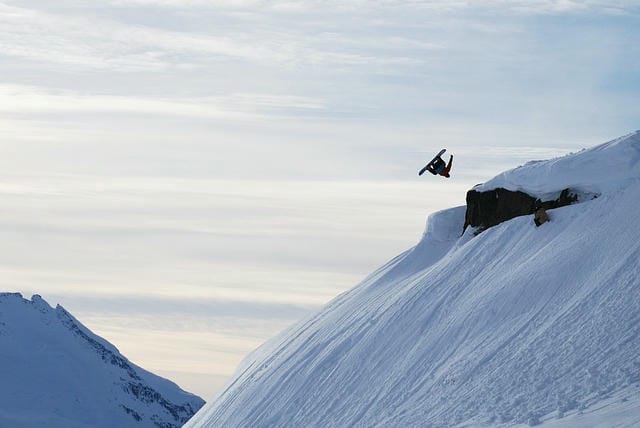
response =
{"points": [[55, 369]]}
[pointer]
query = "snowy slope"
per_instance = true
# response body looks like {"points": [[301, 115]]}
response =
{"points": [[603, 168], [518, 325], [54, 372]]}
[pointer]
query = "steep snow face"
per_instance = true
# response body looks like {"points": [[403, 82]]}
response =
{"points": [[54, 372], [518, 325]]}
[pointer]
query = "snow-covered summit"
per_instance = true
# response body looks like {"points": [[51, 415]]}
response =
{"points": [[518, 325], [599, 169], [54, 372]]}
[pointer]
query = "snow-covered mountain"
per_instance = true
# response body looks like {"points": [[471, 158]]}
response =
{"points": [[55, 373], [515, 325]]}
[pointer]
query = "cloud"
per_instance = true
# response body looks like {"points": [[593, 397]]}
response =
{"points": [[448, 6], [103, 43], [558, 7], [183, 304], [24, 99]]}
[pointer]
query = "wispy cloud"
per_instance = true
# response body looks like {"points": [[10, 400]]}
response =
{"points": [[306, 6], [102, 43], [556, 7], [24, 99]]}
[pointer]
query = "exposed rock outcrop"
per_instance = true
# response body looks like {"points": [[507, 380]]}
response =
{"points": [[487, 209]]}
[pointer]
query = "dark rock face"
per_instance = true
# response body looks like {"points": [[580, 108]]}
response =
{"points": [[487, 209]]}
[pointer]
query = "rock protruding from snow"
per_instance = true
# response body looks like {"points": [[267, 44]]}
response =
{"points": [[517, 325], [56, 373], [492, 207]]}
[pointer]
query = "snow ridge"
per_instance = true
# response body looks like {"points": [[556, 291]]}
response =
{"points": [[518, 325], [597, 170]]}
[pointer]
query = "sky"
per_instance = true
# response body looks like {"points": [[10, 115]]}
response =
{"points": [[191, 177]]}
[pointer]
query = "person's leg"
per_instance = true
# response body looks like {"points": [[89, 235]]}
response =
{"points": [[448, 168]]}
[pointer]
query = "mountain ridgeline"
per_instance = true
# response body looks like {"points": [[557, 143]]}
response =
{"points": [[57, 373], [515, 325]]}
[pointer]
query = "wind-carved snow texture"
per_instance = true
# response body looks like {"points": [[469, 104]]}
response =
{"points": [[54, 372], [518, 325]]}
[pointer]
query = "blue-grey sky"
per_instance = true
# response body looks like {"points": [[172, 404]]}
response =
{"points": [[189, 177]]}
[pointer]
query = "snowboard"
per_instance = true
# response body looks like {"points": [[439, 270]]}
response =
{"points": [[432, 160]]}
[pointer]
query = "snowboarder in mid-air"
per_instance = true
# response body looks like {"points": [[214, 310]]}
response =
{"points": [[438, 166]]}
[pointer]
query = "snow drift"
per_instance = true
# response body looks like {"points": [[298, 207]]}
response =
{"points": [[516, 325], [54, 372]]}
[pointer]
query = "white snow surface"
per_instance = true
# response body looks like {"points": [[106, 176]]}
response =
{"points": [[518, 325], [596, 170], [54, 372]]}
